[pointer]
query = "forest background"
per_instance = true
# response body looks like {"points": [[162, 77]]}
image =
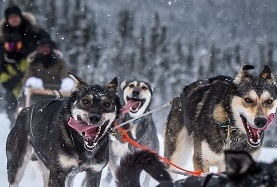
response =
{"points": [[167, 43]]}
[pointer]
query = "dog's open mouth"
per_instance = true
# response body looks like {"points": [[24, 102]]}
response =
{"points": [[132, 105], [255, 134], [90, 132]]}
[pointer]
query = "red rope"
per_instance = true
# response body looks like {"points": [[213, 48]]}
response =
{"points": [[126, 138]]}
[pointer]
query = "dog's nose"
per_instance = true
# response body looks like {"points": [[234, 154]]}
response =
{"points": [[260, 122], [135, 93], [94, 118]]}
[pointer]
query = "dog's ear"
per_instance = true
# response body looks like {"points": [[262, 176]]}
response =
{"points": [[237, 162], [79, 83], [113, 85], [267, 75], [243, 74], [123, 85]]}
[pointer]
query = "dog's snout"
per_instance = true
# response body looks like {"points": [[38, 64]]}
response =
{"points": [[94, 118], [135, 93], [260, 122]]}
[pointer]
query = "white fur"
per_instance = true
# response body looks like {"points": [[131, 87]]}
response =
{"points": [[183, 152], [82, 113], [237, 108], [121, 149], [109, 116], [45, 172], [67, 161], [237, 111], [95, 167], [144, 94], [212, 158]]}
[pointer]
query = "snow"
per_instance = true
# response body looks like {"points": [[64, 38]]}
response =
{"points": [[33, 176]]}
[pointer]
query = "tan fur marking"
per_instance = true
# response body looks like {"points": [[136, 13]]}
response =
{"points": [[219, 114]]}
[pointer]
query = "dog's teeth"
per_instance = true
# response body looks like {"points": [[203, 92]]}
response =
{"points": [[99, 129], [95, 138]]}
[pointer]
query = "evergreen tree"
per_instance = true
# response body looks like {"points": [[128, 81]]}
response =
{"points": [[154, 37], [238, 55], [125, 24], [270, 61]]}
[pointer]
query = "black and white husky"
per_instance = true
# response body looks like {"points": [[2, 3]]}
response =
{"points": [[67, 136], [137, 96]]}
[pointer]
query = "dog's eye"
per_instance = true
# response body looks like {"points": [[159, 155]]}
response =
{"points": [[269, 101], [144, 88], [85, 101], [131, 85], [107, 104], [248, 100]]}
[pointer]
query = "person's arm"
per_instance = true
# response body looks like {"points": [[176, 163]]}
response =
{"points": [[10, 81]]}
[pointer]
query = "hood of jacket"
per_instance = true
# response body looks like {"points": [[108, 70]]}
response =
{"points": [[27, 15]]}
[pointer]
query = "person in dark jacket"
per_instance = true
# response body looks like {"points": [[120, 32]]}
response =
{"points": [[47, 68], [24, 24], [13, 65]]}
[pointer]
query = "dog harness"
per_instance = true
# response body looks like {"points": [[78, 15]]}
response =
{"points": [[140, 124], [40, 107], [125, 137]]}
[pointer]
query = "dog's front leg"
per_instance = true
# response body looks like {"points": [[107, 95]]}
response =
{"points": [[57, 178], [197, 158], [93, 178]]}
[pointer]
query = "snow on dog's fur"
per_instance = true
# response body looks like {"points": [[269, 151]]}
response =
{"points": [[67, 136], [220, 113]]}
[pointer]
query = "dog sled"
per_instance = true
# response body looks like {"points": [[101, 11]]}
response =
{"points": [[33, 95], [40, 94]]}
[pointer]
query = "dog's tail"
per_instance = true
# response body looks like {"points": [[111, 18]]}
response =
{"points": [[128, 173]]}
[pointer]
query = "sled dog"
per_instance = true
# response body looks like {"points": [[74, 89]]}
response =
{"points": [[67, 136], [220, 113], [241, 171], [137, 96]]}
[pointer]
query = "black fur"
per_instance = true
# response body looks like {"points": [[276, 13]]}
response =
{"points": [[241, 171], [132, 165], [43, 127]]}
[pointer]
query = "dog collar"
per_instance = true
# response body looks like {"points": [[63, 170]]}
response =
{"points": [[228, 132]]}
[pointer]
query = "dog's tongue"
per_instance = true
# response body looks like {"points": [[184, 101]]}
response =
{"points": [[269, 120], [130, 104], [82, 126], [256, 132]]}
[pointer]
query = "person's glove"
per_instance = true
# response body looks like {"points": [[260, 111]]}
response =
{"points": [[67, 84], [34, 82]]}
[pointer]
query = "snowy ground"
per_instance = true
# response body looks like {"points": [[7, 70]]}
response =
{"points": [[33, 177]]}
